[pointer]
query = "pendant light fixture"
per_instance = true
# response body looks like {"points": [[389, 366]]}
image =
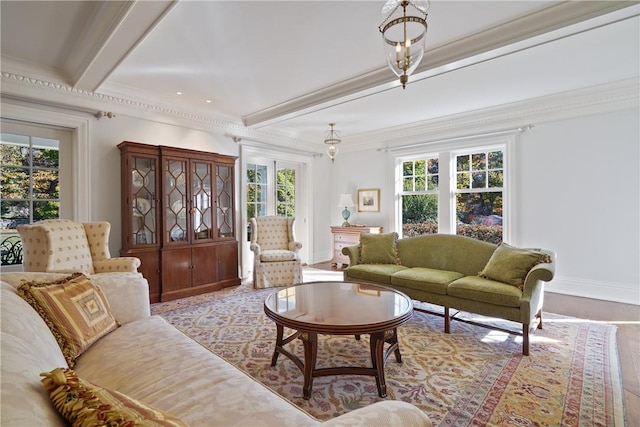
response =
{"points": [[404, 31], [332, 140]]}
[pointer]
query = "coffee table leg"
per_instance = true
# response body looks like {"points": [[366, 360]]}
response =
{"points": [[376, 344], [310, 343], [279, 344]]}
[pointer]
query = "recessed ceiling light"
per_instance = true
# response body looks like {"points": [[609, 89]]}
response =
{"points": [[178, 93], [208, 101]]}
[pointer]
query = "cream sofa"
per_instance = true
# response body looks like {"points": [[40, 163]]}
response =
{"points": [[149, 360]]}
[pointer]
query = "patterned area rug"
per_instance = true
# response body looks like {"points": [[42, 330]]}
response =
{"points": [[473, 376]]}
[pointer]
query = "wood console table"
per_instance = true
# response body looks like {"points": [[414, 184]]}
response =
{"points": [[347, 236]]}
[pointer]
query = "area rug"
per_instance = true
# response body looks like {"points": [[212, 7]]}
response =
{"points": [[473, 376]]}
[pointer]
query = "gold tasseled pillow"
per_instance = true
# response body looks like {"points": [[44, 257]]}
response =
{"points": [[85, 404], [76, 311]]}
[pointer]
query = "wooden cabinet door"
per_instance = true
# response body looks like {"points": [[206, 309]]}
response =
{"points": [[205, 265], [228, 262], [176, 272]]}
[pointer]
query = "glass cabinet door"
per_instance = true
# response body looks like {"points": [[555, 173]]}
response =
{"points": [[202, 208], [175, 215], [224, 190], [143, 188]]}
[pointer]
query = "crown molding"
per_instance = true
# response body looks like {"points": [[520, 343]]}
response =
{"points": [[608, 97], [621, 95], [59, 95]]}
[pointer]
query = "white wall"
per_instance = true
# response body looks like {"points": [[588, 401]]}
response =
{"points": [[577, 193]]}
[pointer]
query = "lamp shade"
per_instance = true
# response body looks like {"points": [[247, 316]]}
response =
{"points": [[345, 200]]}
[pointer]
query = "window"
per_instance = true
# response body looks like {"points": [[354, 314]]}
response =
{"points": [[457, 191], [286, 192], [419, 196], [30, 180], [256, 190], [479, 194]]}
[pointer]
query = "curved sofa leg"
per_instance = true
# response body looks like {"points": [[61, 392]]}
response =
{"points": [[447, 321], [525, 340], [539, 316]]}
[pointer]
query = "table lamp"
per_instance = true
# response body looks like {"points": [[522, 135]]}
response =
{"points": [[346, 201]]}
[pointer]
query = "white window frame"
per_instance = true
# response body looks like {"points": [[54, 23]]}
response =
{"points": [[446, 152]]}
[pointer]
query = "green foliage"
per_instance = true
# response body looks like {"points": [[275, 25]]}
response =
{"points": [[420, 208]]}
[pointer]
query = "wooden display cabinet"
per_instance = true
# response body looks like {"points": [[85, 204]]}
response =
{"points": [[193, 248]]}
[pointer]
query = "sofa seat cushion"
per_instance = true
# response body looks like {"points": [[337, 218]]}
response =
{"points": [[487, 291], [380, 273], [151, 361], [276, 255], [425, 279]]}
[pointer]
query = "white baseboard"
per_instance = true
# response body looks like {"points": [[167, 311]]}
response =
{"points": [[617, 292]]}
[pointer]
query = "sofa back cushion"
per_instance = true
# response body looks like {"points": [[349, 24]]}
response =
{"points": [[445, 252], [28, 348], [74, 308], [379, 249]]}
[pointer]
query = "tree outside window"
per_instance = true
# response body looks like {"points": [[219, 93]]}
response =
{"points": [[420, 179], [30, 182], [286, 192], [479, 195]]}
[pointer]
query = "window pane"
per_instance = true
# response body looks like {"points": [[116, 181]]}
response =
{"points": [[478, 161], [479, 216], [495, 160], [419, 214], [479, 179], [45, 210], [45, 158], [46, 184], [15, 183], [463, 180], [16, 212], [432, 168], [462, 163], [407, 168], [420, 183], [432, 182], [495, 179], [420, 168], [407, 184], [16, 154]]}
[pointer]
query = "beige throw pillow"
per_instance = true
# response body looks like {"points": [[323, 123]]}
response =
{"points": [[76, 311], [510, 265], [85, 404], [379, 249]]}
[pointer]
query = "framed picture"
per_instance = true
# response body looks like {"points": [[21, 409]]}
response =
{"points": [[369, 200]]}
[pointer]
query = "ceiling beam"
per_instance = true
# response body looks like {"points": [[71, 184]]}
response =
{"points": [[553, 17], [109, 36]]}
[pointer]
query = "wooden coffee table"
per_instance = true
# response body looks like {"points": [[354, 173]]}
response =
{"points": [[338, 308]]}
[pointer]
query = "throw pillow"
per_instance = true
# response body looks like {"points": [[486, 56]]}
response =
{"points": [[85, 404], [76, 311], [379, 249], [510, 265]]}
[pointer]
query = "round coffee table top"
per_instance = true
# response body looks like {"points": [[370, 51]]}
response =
{"points": [[338, 308]]}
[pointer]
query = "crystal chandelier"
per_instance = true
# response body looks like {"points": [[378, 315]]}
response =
{"points": [[332, 140], [404, 31]]}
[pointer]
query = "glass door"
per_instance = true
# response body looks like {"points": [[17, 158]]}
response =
{"points": [[175, 218]]}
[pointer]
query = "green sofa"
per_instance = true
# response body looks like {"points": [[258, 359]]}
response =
{"points": [[458, 272]]}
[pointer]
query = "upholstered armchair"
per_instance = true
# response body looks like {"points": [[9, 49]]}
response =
{"points": [[61, 245], [276, 259]]}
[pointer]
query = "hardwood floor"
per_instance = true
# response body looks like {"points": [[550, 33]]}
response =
{"points": [[626, 317]]}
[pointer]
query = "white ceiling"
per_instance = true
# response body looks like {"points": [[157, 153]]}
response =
{"points": [[282, 70]]}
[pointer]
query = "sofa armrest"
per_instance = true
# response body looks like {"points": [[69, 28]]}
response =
{"points": [[386, 413], [353, 252], [540, 272], [127, 293], [117, 265], [295, 246]]}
